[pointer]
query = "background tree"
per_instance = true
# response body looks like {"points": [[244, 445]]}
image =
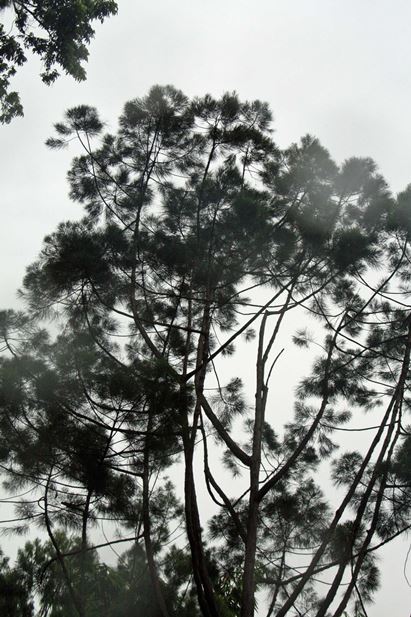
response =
{"points": [[15, 597], [189, 209], [121, 590], [58, 32]]}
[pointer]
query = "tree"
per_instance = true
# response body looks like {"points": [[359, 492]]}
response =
{"points": [[189, 209], [58, 32], [15, 600], [122, 590]]}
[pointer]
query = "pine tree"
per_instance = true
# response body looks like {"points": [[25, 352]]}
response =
{"points": [[190, 209]]}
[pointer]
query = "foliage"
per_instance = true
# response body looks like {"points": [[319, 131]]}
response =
{"points": [[122, 590], [58, 32], [15, 600], [189, 209]]}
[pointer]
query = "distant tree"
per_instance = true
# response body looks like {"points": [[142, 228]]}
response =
{"points": [[199, 232], [15, 596], [123, 590], [57, 31]]}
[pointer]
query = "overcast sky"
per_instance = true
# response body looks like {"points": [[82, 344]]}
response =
{"points": [[339, 70]]}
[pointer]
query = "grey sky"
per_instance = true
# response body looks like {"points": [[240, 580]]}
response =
{"points": [[337, 69]]}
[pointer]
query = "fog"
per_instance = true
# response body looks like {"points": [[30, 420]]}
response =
{"points": [[337, 70]]}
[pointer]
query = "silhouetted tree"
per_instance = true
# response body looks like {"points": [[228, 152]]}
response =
{"points": [[190, 209], [15, 597], [123, 590]]}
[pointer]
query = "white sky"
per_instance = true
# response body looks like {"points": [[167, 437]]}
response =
{"points": [[337, 69]]}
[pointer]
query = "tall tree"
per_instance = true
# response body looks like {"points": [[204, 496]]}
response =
{"points": [[190, 209], [58, 32]]}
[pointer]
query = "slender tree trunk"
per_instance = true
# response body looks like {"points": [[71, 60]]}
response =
{"points": [[248, 590], [389, 417], [205, 591], [152, 567], [85, 517], [278, 585], [77, 601], [380, 495]]}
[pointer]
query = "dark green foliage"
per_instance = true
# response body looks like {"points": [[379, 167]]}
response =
{"points": [[15, 598], [123, 590], [58, 32], [198, 230]]}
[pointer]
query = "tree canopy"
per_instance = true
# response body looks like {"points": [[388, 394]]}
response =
{"points": [[122, 590], [57, 31], [199, 236]]}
